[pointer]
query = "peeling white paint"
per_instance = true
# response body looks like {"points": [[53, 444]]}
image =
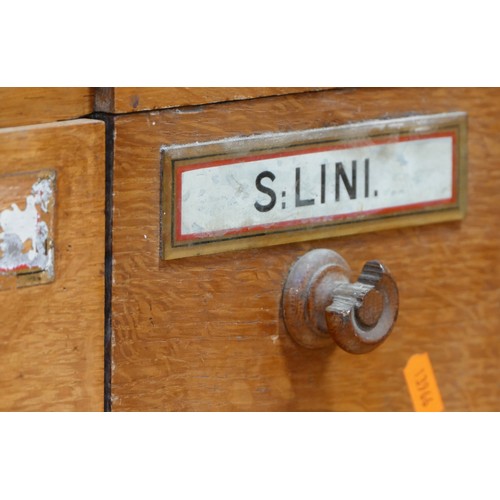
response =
{"points": [[24, 236]]}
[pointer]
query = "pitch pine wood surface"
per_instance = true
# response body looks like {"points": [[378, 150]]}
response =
{"points": [[51, 335], [30, 105], [130, 99], [206, 333]]}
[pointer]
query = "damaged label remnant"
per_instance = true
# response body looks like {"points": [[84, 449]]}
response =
{"points": [[26, 226]]}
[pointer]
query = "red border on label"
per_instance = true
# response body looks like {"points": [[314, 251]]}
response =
{"points": [[298, 223]]}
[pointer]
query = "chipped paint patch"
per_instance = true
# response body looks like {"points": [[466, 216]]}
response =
{"points": [[26, 228]]}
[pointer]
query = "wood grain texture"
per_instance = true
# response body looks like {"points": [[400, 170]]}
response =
{"points": [[30, 105], [206, 333], [129, 99], [52, 335]]}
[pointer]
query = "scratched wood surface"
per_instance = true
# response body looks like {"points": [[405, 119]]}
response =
{"points": [[30, 105], [129, 99], [51, 335], [205, 333]]}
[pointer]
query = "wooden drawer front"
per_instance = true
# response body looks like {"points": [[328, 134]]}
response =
{"points": [[205, 333], [30, 105], [52, 334], [130, 99]]}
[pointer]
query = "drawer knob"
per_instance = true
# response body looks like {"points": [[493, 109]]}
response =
{"points": [[321, 304]]}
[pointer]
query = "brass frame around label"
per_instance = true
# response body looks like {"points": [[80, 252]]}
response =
{"points": [[174, 157]]}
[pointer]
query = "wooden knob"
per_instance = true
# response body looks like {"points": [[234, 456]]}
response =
{"points": [[321, 304]]}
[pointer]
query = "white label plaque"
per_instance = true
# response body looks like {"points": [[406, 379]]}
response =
{"points": [[27, 202], [236, 193]]}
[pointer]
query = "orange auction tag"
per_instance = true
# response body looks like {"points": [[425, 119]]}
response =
{"points": [[422, 384]]}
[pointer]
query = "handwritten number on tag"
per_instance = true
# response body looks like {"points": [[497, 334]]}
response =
{"points": [[422, 384]]}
